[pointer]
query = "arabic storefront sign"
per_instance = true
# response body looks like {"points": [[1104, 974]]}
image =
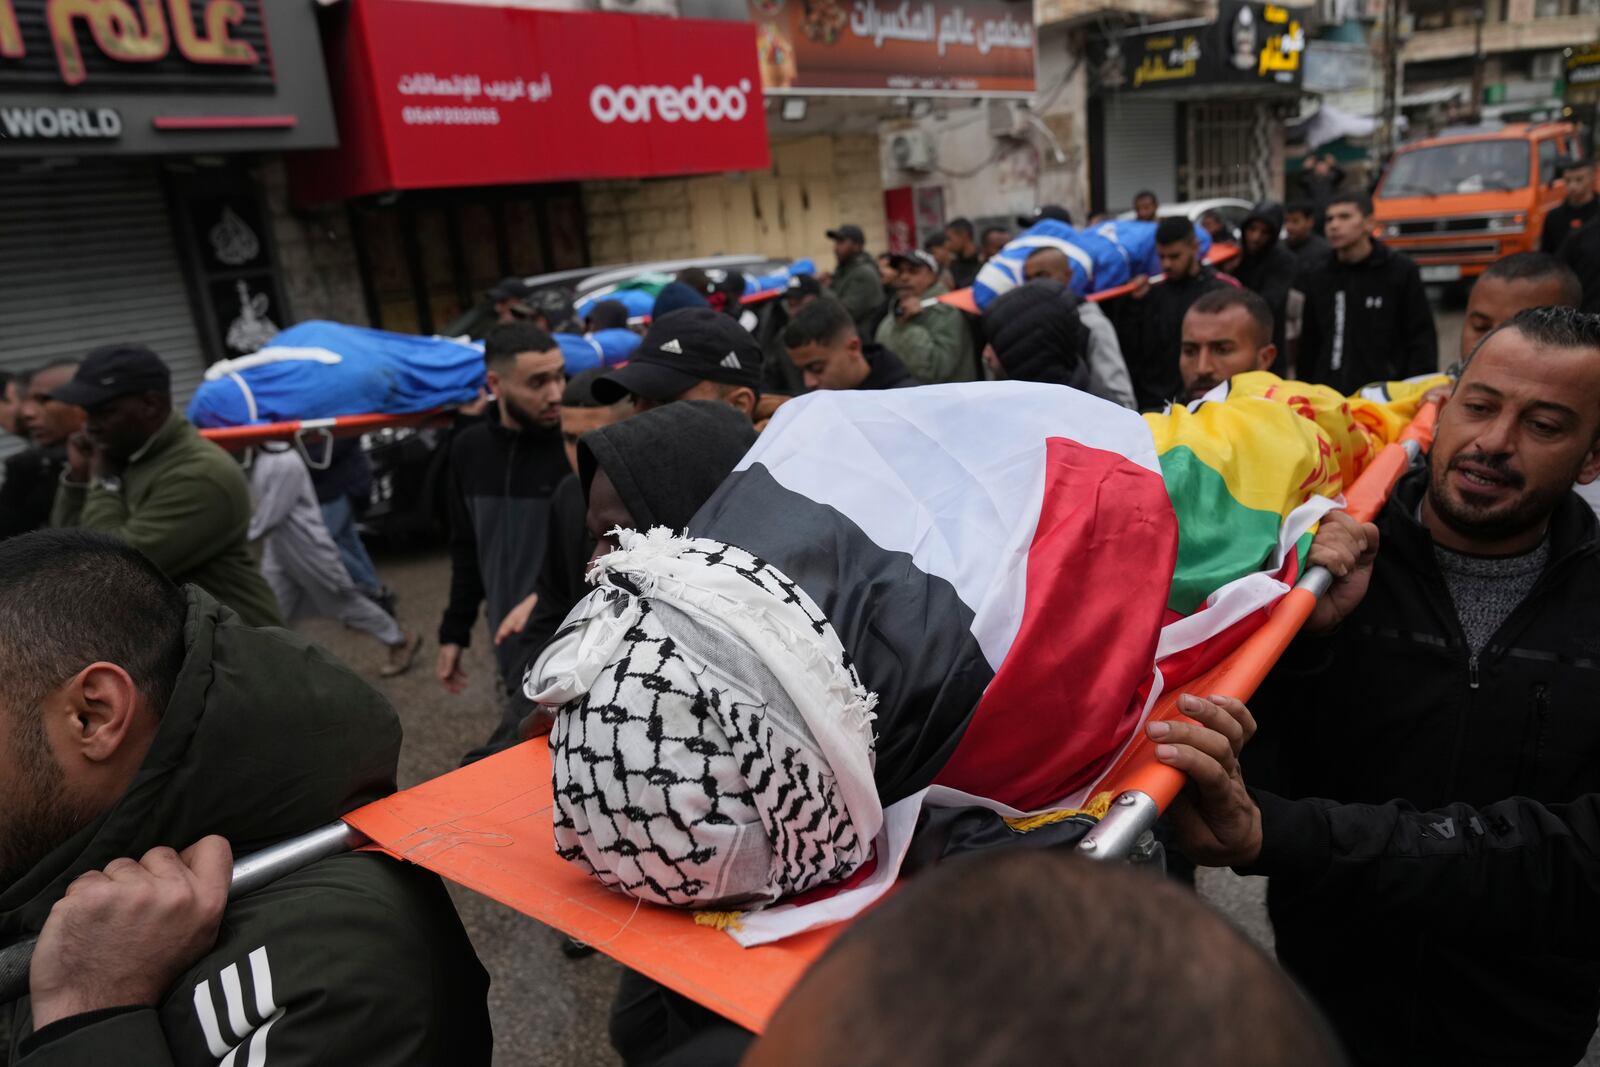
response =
{"points": [[445, 94], [110, 44], [1583, 74], [933, 46], [1249, 44]]}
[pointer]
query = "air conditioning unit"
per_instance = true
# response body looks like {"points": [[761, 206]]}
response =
{"points": [[911, 150], [641, 7], [1547, 67], [1008, 118]]}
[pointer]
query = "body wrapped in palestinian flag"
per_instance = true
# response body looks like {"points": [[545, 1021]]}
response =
{"points": [[1013, 571]]}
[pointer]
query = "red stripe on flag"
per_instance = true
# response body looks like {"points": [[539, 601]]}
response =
{"points": [[1183, 667], [1099, 569]]}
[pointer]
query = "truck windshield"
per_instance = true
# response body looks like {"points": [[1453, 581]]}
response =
{"points": [[1470, 167]]}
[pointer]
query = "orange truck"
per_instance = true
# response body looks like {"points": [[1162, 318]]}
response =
{"points": [[1457, 202]]}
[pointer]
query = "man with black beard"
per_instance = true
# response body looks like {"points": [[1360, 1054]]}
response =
{"points": [[1454, 664], [503, 473]]}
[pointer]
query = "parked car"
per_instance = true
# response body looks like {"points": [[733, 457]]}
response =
{"points": [[1457, 202], [1233, 210]]}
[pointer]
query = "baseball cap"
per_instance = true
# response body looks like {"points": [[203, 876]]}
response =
{"points": [[509, 289], [1046, 211], [680, 350], [116, 370], [917, 257], [803, 285], [848, 232]]}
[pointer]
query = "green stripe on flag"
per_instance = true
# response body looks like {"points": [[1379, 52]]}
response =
{"points": [[1219, 539]]}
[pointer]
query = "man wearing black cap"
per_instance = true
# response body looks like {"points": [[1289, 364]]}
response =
{"points": [[507, 297], [933, 341], [143, 473], [855, 280], [689, 354]]}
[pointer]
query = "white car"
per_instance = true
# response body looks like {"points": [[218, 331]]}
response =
{"points": [[1233, 210]]}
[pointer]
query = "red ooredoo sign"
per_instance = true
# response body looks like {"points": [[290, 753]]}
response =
{"points": [[441, 94]]}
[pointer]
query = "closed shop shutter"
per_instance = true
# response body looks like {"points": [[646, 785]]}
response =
{"points": [[87, 257], [1141, 150]]}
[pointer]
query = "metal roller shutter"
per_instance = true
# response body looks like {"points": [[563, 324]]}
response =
{"points": [[87, 258], [1141, 149]]}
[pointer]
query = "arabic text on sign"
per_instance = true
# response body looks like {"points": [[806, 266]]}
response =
{"points": [[133, 36], [923, 24], [1282, 51]]}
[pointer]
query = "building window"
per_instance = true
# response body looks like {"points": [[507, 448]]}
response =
{"points": [[428, 256]]}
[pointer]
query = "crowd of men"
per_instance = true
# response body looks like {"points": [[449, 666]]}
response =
{"points": [[1423, 788]]}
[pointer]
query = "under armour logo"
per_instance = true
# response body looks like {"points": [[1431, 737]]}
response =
{"points": [[673, 346], [731, 361], [1374, 302], [110, 379]]}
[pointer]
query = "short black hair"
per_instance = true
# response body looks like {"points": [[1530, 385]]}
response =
{"points": [[1174, 228], [938, 240], [510, 339], [1140, 976], [1551, 327], [7, 377], [960, 225], [69, 598], [1230, 296], [1362, 202], [1301, 207], [1145, 193], [1537, 267], [987, 230], [824, 321], [695, 278], [609, 315]]}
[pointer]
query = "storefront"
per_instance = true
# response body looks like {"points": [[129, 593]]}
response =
{"points": [[465, 131], [1194, 110], [129, 153]]}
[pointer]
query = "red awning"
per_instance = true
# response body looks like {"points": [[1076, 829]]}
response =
{"points": [[449, 94]]}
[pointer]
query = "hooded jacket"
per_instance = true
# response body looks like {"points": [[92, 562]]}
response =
{"points": [[1365, 322], [1394, 705], [1270, 272], [667, 461], [356, 959]]}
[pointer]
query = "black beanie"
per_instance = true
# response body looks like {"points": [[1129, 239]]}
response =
{"points": [[1037, 335]]}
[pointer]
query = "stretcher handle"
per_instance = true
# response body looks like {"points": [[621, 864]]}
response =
{"points": [[1142, 785], [255, 871]]}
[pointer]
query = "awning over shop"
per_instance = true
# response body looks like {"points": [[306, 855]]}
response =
{"points": [[450, 94]]}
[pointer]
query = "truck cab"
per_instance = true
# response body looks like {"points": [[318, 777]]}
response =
{"points": [[1457, 202]]}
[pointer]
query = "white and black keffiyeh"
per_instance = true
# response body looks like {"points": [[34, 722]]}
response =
{"points": [[713, 746]]}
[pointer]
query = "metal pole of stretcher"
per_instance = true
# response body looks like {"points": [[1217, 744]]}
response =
{"points": [[1146, 787], [255, 871]]}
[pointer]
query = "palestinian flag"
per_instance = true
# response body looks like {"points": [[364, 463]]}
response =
{"points": [[1019, 570]]}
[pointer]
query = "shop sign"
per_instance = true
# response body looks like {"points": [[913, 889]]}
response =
{"points": [[60, 124], [457, 94], [1249, 44], [971, 47], [120, 44], [1583, 74]]}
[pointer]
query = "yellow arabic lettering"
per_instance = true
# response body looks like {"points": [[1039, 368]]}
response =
{"points": [[11, 46], [216, 46], [116, 28], [1274, 13], [1282, 51]]}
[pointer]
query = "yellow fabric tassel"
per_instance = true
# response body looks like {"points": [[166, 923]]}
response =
{"points": [[1098, 805], [719, 920]]}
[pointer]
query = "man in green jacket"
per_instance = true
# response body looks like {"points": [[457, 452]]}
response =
{"points": [[138, 719], [143, 473], [933, 342], [855, 282]]}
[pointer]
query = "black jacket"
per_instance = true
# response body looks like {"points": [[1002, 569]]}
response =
{"points": [[1365, 322], [29, 491], [1563, 221], [501, 484], [1151, 333], [1581, 252], [1393, 705], [1310, 252], [886, 371], [1271, 271], [356, 959]]}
